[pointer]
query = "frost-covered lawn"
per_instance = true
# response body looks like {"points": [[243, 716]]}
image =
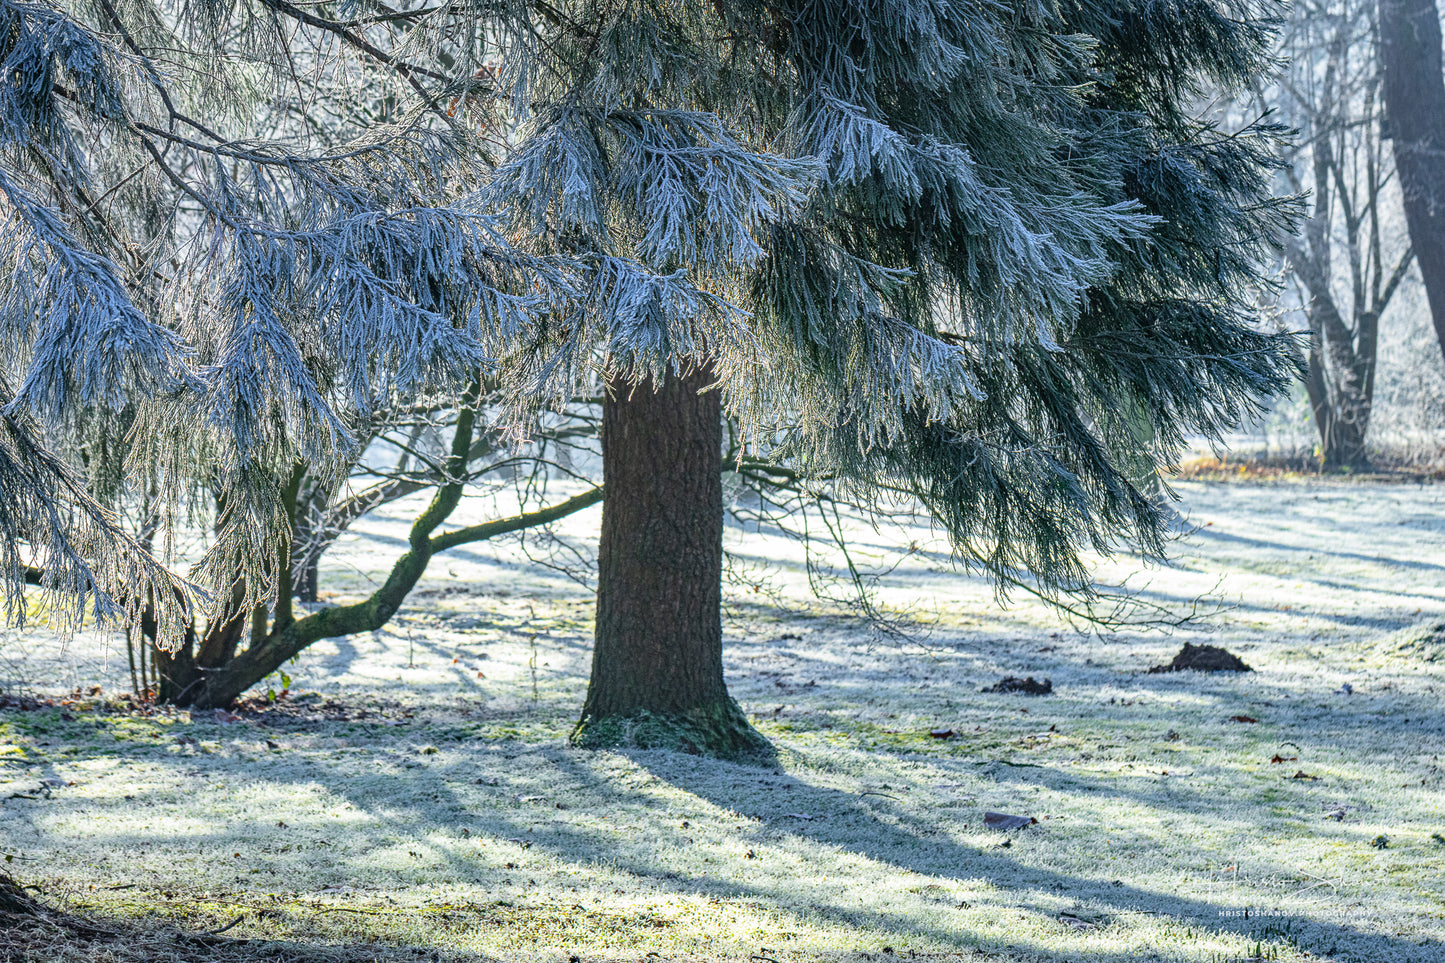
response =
{"points": [[420, 791]]}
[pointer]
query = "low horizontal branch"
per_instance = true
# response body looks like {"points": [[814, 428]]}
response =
{"points": [[502, 526]]}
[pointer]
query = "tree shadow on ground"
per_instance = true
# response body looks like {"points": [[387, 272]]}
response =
{"points": [[886, 832], [32, 930], [905, 840], [1311, 550], [412, 799]]}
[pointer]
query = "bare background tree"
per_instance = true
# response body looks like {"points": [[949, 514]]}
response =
{"points": [[1347, 266], [1414, 94], [1374, 395]]}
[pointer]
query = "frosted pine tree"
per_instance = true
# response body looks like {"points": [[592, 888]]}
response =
{"points": [[982, 253], [987, 254]]}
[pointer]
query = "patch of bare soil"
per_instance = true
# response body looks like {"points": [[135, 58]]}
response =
{"points": [[311, 707], [88, 699], [31, 932], [21, 703], [278, 709], [1026, 686], [1204, 658]]}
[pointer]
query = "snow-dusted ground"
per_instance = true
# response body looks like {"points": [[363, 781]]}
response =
{"points": [[452, 813]]}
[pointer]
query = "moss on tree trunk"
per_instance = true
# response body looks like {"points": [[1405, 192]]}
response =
{"points": [[719, 730]]}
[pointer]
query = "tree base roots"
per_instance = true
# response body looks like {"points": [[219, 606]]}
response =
{"points": [[720, 731]]}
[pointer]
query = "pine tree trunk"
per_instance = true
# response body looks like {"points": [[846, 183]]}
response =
{"points": [[657, 675], [1415, 105]]}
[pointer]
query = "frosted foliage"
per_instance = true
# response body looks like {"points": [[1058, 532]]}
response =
{"points": [[240, 229], [972, 254], [1011, 285], [52, 534]]}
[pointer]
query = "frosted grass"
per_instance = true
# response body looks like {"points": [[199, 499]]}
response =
{"points": [[454, 816]]}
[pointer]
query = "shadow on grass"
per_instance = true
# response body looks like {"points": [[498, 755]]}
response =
{"points": [[415, 803], [1312, 550], [873, 826], [889, 834], [32, 930]]}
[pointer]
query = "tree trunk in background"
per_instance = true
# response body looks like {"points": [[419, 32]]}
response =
{"points": [[311, 539], [657, 676], [1341, 429], [1415, 104], [1341, 402], [308, 587], [183, 672]]}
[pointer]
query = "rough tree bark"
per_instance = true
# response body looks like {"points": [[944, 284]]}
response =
{"points": [[1415, 104], [181, 674], [657, 674]]}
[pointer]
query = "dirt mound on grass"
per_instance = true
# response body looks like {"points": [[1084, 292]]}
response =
{"points": [[1026, 686], [1204, 658], [14, 900]]}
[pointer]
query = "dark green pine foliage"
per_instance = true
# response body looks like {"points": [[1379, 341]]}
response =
{"points": [[987, 251]]}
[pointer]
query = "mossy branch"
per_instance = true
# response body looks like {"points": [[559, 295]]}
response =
{"points": [[289, 637]]}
